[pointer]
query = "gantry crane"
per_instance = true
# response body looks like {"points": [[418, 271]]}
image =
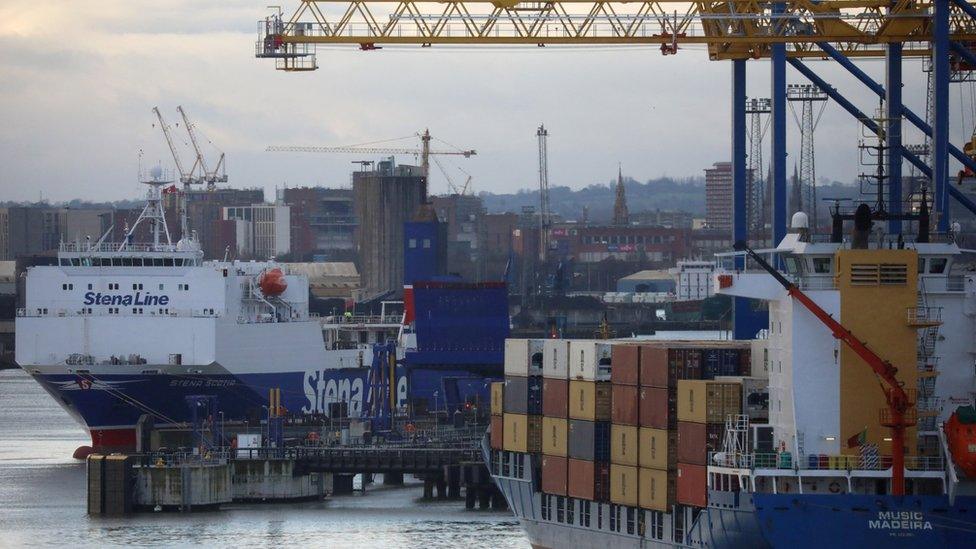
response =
{"points": [[424, 152]]}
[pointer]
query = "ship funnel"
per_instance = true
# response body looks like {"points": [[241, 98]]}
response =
{"points": [[862, 227]]}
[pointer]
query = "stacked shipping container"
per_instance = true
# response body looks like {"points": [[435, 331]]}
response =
{"points": [[625, 422], [703, 406]]}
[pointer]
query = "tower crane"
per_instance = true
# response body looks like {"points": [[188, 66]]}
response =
{"points": [[211, 178], [424, 152], [901, 412]]}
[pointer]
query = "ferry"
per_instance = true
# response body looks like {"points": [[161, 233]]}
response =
{"points": [[818, 471], [123, 334]]}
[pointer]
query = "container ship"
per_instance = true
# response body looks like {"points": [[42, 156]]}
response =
{"points": [[789, 440], [127, 334]]}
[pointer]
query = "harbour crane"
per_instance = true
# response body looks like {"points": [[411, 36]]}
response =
{"points": [[901, 412], [186, 177], [424, 152], [211, 178]]}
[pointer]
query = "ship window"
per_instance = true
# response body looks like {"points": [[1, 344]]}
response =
{"points": [[127, 262], [560, 509], [613, 518], [412, 243], [426, 243], [167, 262], [570, 511], [630, 520], [545, 507], [161, 287], [89, 286], [921, 264], [599, 516], [821, 265], [937, 265], [585, 513], [793, 266], [657, 525]]}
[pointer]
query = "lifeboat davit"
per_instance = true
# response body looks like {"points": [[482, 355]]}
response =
{"points": [[272, 283], [960, 432]]}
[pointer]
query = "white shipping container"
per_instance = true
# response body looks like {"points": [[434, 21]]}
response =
{"points": [[555, 357], [517, 357], [589, 360]]}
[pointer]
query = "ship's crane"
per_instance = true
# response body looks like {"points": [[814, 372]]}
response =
{"points": [[900, 413], [211, 178], [424, 152]]}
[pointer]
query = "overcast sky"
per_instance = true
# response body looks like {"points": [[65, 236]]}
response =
{"points": [[78, 82]]}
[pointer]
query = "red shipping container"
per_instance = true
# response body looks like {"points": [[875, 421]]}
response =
{"points": [[555, 397], [653, 366], [656, 408], [588, 480], [626, 404], [497, 440], [554, 471], [692, 485], [691, 443], [624, 361], [581, 479]]}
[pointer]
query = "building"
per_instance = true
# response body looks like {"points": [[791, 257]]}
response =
{"points": [[694, 279], [496, 243], [323, 223], [718, 196], [33, 230], [262, 231], [621, 215], [205, 210], [648, 281], [386, 197], [463, 216], [672, 219]]}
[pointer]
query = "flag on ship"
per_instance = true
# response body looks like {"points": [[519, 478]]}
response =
{"points": [[858, 439]]}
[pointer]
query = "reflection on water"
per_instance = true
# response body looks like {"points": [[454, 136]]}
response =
{"points": [[42, 501]]}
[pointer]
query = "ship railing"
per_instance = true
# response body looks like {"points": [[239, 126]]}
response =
{"points": [[823, 282], [353, 320], [183, 458], [828, 462]]}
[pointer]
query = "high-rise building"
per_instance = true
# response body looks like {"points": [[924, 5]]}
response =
{"points": [[718, 196], [32, 230], [386, 197]]}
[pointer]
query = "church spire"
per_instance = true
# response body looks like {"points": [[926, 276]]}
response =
{"points": [[621, 216]]}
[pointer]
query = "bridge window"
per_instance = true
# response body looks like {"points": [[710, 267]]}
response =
{"points": [[560, 509], [657, 524], [570, 511], [545, 507], [821, 265], [599, 516], [630, 520], [937, 265], [585, 513], [613, 518]]}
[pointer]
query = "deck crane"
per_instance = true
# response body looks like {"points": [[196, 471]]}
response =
{"points": [[424, 152], [211, 178], [901, 412]]}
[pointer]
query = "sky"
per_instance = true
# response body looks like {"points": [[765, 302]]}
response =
{"points": [[78, 82]]}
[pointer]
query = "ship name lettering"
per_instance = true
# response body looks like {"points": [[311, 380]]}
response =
{"points": [[137, 299], [900, 520]]}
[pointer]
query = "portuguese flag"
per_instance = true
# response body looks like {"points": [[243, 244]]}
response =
{"points": [[858, 439]]}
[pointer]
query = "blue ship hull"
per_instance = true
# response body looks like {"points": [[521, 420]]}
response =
{"points": [[110, 405]]}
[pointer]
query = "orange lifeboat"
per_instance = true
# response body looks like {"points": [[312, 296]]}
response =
{"points": [[272, 283], [960, 432]]}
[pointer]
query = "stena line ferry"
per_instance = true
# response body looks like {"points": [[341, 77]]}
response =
{"points": [[122, 332]]}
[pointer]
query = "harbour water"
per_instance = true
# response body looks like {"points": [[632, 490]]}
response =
{"points": [[42, 501]]}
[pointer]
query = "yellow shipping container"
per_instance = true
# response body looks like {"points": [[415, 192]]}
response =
{"points": [[654, 451], [703, 401], [590, 400], [497, 398], [623, 444], [515, 432], [657, 489], [624, 485], [554, 436]]}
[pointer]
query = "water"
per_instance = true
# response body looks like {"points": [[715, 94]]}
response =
{"points": [[42, 501]]}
